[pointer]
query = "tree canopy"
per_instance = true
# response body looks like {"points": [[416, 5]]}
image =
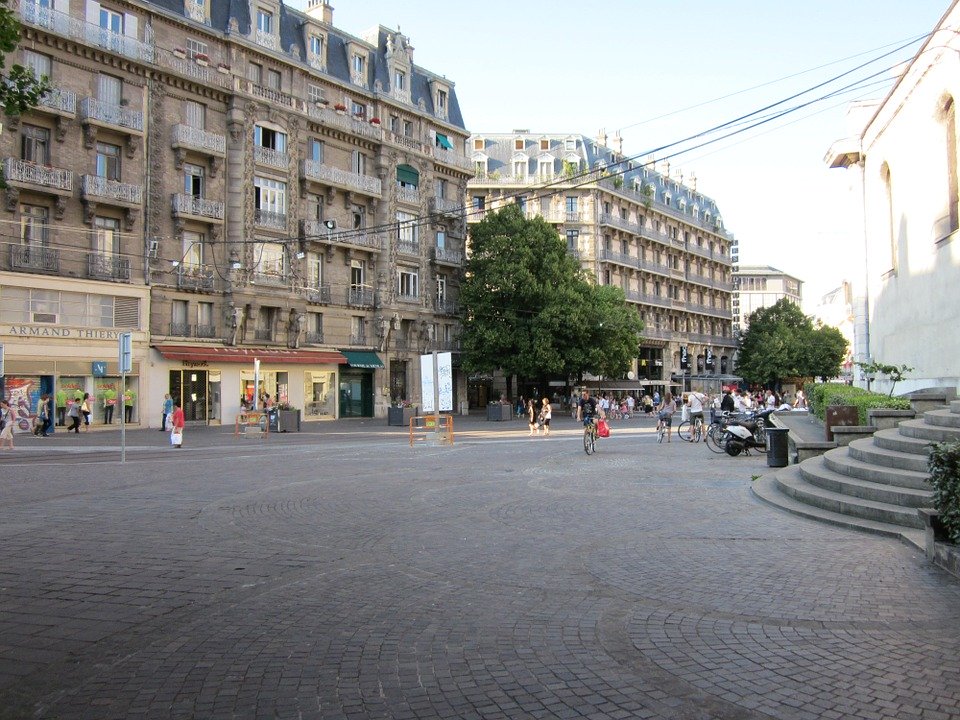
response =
{"points": [[19, 89], [782, 342], [528, 309]]}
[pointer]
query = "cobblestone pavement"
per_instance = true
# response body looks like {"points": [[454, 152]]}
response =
{"points": [[339, 573]]}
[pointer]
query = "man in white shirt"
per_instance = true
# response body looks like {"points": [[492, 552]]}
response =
{"points": [[695, 400]]}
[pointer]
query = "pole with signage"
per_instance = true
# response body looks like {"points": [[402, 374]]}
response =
{"points": [[256, 383], [125, 350]]}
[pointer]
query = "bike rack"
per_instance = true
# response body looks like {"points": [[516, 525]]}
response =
{"points": [[424, 428]]}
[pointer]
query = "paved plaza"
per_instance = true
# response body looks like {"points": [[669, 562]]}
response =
{"points": [[338, 573]]}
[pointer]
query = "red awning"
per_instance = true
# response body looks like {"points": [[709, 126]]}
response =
{"points": [[247, 355]]}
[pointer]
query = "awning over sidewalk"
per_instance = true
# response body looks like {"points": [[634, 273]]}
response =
{"points": [[362, 359], [247, 355]]}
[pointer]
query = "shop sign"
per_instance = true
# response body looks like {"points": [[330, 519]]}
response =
{"points": [[63, 332], [99, 368]]}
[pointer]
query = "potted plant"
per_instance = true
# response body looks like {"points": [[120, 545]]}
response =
{"points": [[223, 68], [374, 121], [340, 108], [401, 413], [288, 418], [180, 53], [201, 59]]}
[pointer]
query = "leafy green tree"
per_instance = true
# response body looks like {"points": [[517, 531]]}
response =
{"points": [[528, 310], [19, 89], [782, 342], [894, 372]]}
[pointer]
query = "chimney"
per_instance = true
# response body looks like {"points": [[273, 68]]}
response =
{"points": [[618, 142], [320, 10], [602, 137], [693, 181]]}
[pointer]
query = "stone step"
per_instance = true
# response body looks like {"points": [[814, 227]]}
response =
{"points": [[895, 440], [922, 430], [955, 406], [868, 451], [816, 472], [795, 486], [841, 461], [766, 490], [943, 418]]}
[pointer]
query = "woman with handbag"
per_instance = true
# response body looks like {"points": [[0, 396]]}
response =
{"points": [[546, 414], [85, 411], [176, 433]]}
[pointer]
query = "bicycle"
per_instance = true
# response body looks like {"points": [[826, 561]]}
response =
{"points": [[590, 436], [661, 430], [691, 430]]}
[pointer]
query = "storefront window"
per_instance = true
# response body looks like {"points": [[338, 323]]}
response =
{"points": [[268, 385], [106, 400], [318, 394]]}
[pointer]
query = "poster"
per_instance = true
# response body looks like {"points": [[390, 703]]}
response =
{"points": [[444, 380]]}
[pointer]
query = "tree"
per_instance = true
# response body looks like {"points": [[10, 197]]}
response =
{"points": [[19, 89], [782, 342], [528, 310], [893, 372]]}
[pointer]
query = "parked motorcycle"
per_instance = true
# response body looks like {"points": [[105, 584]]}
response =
{"points": [[747, 435]]}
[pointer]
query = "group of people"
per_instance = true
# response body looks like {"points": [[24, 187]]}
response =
{"points": [[539, 416]]}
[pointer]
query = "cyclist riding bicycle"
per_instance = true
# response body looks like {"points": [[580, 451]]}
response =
{"points": [[587, 408], [696, 400], [665, 413]]}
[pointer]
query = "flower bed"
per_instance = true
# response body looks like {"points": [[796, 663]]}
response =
{"points": [[821, 395]]}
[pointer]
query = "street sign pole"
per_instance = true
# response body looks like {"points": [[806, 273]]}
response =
{"points": [[436, 396]]}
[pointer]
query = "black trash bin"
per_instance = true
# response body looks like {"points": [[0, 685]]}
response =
{"points": [[778, 454], [274, 420]]}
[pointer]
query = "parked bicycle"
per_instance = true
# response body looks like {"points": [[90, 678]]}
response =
{"points": [[691, 430]]}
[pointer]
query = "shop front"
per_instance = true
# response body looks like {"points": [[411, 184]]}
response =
{"points": [[356, 386], [215, 384]]}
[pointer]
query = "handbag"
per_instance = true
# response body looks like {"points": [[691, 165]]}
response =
{"points": [[176, 438], [603, 430]]}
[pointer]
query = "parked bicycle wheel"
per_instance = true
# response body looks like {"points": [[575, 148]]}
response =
{"points": [[698, 431], [716, 439], [589, 441], [661, 431], [685, 431]]}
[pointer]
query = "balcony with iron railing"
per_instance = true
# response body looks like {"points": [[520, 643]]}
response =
{"points": [[360, 296], [100, 189], [180, 329], [446, 307], [189, 206], [343, 179], [408, 195], [194, 277], [33, 258], [447, 256], [270, 219], [189, 67], [319, 295], [107, 267], [263, 334], [191, 138], [206, 331], [341, 120], [358, 339], [453, 159], [59, 101], [267, 39], [314, 338], [406, 246], [408, 297], [33, 12], [113, 117], [443, 206], [272, 95], [358, 78], [24, 173], [270, 276], [270, 157], [445, 345], [317, 62], [316, 231], [407, 142]]}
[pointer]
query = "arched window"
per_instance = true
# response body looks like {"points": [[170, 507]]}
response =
{"points": [[953, 196], [887, 178]]}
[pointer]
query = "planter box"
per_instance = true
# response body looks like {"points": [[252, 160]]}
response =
{"points": [[840, 415], [288, 420], [938, 551], [401, 416], [499, 413]]}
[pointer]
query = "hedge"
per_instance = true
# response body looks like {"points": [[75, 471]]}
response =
{"points": [[944, 465], [822, 395]]}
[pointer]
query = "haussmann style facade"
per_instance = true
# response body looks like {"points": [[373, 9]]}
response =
{"points": [[230, 182], [633, 225]]}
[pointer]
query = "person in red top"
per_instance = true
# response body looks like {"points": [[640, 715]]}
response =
{"points": [[177, 423]]}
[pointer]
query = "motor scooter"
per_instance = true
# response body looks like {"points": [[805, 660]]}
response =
{"points": [[741, 437]]}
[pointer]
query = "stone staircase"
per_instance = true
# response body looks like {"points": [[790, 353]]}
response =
{"points": [[874, 484]]}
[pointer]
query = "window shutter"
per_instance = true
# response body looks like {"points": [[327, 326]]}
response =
{"points": [[126, 312], [93, 12], [130, 25]]}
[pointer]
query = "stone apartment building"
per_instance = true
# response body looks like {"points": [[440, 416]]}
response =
{"points": [[640, 227], [229, 181]]}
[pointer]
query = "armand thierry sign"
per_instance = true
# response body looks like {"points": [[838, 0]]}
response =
{"points": [[62, 332]]}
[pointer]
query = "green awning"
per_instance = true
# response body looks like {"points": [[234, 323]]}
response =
{"points": [[362, 359], [444, 141], [408, 175]]}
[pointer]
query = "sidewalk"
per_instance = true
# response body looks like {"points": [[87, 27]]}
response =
{"points": [[803, 425]]}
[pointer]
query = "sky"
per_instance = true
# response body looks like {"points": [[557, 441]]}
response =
{"points": [[655, 70]]}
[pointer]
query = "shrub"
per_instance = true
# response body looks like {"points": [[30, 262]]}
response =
{"points": [[822, 395], [944, 466]]}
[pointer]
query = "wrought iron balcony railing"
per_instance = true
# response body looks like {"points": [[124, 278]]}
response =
{"points": [[197, 139], [270, 219], [100, 187], [194, 277], [107, 267], [24, 171], [197, 206], [314, 170], [116, 115], [360, 296], [35, 259], [180, 329]]}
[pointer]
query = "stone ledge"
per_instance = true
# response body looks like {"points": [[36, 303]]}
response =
{"points": [[942, 554], [885, 419], [845, 434]]}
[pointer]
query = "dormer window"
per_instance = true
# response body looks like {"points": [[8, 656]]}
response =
{"points": [[358, 69], [569, 144], [544, 144], [264, 21], [518, 144], [442, 101], [359, 64], [316, 45], [400, 80], [477, 144]]}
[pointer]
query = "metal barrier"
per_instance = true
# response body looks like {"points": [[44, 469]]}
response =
{"points": [[426, 427], [252, 424]]}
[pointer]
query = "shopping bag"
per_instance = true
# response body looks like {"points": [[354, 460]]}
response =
{"points": [[176, 438], [603, 430]]}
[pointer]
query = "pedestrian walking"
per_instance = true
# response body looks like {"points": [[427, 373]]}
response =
{"points": [[43, 416], [85, 411], [177, 421], [6, 425], [167, 410], [73, 412], [532, 413], [546, 413]]}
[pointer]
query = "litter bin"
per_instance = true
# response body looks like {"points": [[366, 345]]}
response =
{"points": [[777, 450], [274, 420]]}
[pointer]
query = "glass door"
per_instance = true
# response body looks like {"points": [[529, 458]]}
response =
{"points": [[190, 388]]}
